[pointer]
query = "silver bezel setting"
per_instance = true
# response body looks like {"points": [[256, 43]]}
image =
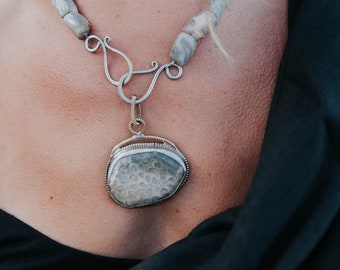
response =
{"points": [[143, 144]]}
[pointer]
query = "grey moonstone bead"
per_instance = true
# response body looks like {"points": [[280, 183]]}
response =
{"points": [[217, 7], [198, 26], [78, 24], [183, 48], [64, 7]]}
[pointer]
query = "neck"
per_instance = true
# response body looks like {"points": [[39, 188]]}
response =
{"points": [[121, 19]]}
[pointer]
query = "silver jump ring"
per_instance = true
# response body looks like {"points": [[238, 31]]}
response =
{"points": [[140, 124]]}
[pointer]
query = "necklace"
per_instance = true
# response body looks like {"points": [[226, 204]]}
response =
{"points": [[144, 170]]}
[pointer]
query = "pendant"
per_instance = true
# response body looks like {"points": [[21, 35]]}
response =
{"points": [[144, 171]]}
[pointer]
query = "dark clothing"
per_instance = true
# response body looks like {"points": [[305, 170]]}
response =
{"points": [[22, 247], [290, 219]]}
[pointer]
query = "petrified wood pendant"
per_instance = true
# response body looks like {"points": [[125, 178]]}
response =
{"points": [[144, 171]]}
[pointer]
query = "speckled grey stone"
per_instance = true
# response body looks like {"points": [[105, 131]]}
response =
{"points": [[145, 177], [78, 24], [64, 7], [183, 48], [217, 7], [198, 26]]}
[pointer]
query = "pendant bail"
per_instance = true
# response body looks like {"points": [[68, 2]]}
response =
{"points": [[136, 118]]}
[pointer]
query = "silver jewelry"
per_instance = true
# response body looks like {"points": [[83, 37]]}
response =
{"points": [[144, 170]]}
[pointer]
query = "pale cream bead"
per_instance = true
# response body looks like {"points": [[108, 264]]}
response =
{"points": [[217, 7], [198, 26], [64, 7], [78, 24], [183, 48]]}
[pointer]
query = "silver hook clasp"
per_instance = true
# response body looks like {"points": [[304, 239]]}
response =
{"points": [[154, 69]]}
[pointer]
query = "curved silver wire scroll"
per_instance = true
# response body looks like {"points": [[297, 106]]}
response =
{"points": [[155, 67], [126, 77], [105, 44]]}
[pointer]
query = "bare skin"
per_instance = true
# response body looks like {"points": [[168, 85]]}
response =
{"points": [[60, 118]]}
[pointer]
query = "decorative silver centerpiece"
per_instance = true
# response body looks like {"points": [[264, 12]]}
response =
{"points": [[145, 170]]}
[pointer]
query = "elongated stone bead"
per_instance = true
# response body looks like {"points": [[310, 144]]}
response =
{"points": [[198, 26], [183, 48], [64, 7], [78, 24], [217, 7]]}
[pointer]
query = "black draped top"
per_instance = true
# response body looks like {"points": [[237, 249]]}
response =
{"points": [[22, 247], [290, 218]]}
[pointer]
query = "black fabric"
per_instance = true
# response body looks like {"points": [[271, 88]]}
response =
{"points": [[290, 219], [23, 248]]}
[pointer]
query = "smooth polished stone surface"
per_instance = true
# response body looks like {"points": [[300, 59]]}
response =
{"points": [[183, 48], [64, 7], [78, 24], [145, 177]]}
